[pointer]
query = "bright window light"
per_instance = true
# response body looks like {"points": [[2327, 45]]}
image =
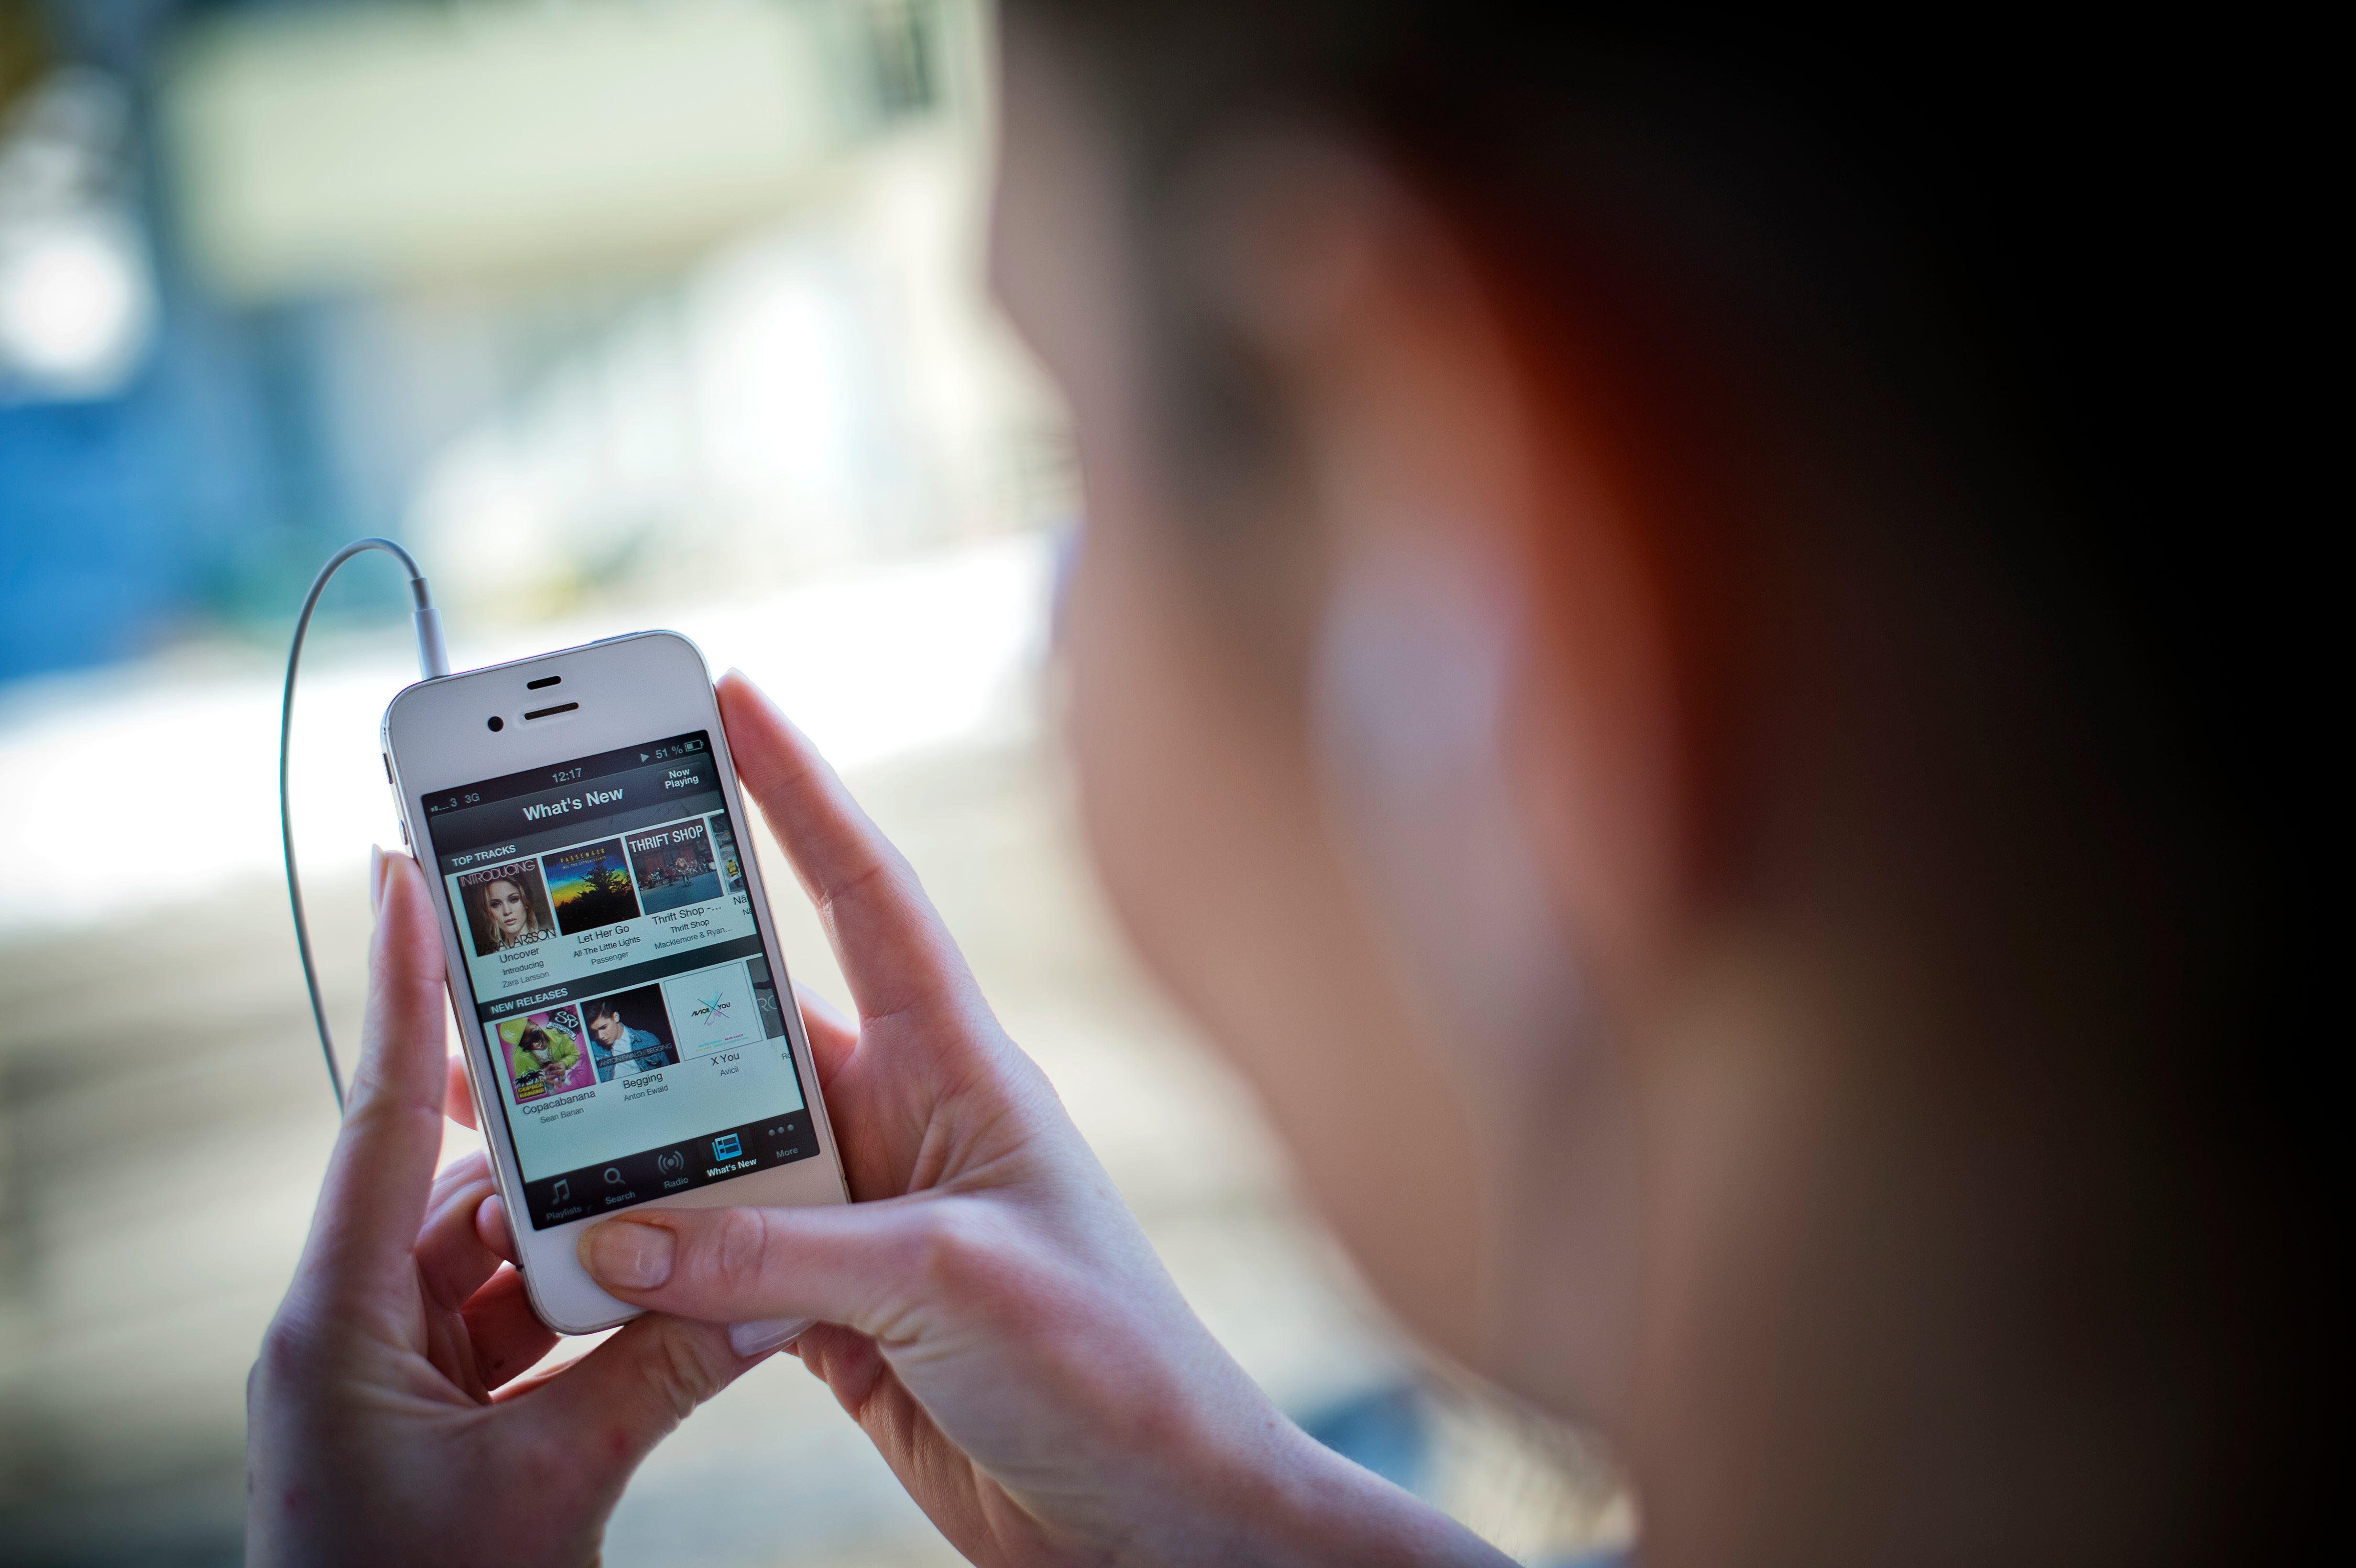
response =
{"points": [[74, 304]]}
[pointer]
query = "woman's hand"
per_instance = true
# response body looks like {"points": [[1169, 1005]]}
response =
{"points": [[990, 1312], [382, 1423]]}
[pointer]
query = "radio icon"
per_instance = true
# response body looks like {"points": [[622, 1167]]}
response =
{"points": [[672, 1164]]}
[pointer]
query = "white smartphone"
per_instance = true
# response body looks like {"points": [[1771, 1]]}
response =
{"points": [[628, 1027]]}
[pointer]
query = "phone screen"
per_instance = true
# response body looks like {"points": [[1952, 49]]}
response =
{"points": [[635, 1035]]}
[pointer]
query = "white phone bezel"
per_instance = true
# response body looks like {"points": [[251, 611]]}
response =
{"points": [[630, 689]]}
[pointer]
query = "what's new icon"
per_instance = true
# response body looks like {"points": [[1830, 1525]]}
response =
{"points": [[727, 1147]]}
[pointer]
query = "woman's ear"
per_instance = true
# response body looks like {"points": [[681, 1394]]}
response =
{"points": [[1436, 454]]}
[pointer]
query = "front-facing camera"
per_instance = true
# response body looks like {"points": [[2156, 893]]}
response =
{"points": [[497, 722]]}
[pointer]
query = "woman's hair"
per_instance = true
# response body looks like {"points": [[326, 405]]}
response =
{"points": [[1983, 279], [534, 1039], [1989, 294]]}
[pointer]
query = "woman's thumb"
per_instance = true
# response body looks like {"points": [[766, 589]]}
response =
{"points": [[866, 1265], [365, 1234]]}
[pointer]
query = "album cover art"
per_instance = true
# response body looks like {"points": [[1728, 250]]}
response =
{"points": [[724, 854], [507, 907], [545, 1054], [674, 866], [629, 1032], [590, 884], [712, 1008]]}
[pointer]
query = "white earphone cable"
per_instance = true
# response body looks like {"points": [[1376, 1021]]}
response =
{"points": [[433, 660]]}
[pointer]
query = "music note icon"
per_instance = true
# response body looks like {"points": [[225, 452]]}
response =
{"points": [[563, 1192]]}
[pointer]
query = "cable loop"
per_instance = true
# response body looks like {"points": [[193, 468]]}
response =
{"points": [[433, 663]]}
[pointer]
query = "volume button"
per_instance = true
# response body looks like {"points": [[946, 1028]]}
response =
{"points": [[399, 815]]}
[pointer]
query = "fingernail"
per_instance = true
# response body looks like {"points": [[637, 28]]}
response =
{"points": [[375, 879], [758, 1338], [633, 1256]]}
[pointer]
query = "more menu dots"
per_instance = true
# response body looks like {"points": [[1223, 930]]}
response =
{"points": [[631, 1179]]}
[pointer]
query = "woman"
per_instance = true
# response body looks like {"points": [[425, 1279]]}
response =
{"points": [[507, 915], [1648, 660]]}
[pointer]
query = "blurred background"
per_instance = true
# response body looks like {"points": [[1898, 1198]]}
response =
{"points": [[619, 314]]}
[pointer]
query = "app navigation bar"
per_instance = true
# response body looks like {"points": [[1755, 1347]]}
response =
{"points": [[632, 1179]]}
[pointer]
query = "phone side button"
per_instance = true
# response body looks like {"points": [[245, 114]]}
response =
{"points": [[398, 815]]}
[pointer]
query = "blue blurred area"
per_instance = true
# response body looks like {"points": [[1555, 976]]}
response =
{"points": [[189, 498], [249, 310], [96, 554], [198, 494], [1386, 1430]]}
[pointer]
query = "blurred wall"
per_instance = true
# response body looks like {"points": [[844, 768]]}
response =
{"points": [[574, 298]]}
